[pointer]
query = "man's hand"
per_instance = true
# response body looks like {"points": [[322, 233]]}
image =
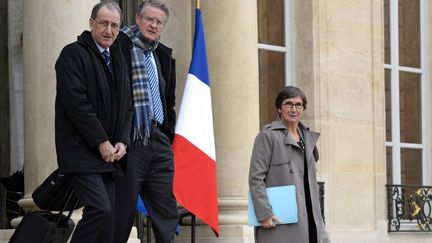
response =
{"points": [[270, 222], [120, 151], [107, 151]]}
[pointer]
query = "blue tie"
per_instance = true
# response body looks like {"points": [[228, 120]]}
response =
{"points": [[107, 58], [154, 88]]}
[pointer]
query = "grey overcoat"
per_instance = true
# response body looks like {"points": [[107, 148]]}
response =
{"points": [[278, 161]]}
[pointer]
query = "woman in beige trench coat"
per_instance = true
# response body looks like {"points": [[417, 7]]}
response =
{"points": [[285, 153]]}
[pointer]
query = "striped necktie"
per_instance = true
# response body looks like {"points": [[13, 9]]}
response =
{"points": [[107, 57], [154, 88]]}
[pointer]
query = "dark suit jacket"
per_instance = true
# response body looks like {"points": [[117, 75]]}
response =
{"points": [[167, 79], [92, 105]]}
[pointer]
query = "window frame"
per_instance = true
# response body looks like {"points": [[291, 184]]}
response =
{"points": [[395, 144], [288, 48]]}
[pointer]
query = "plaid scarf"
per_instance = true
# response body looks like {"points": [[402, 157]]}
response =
{"points": [[143, 105]]}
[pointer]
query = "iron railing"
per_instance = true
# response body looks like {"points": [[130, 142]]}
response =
{"points": [[409, 208]]}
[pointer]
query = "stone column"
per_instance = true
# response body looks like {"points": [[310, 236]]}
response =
{"points": [[178, 35], [348, 109], [48, 26], [16, 107], [231, 37]]}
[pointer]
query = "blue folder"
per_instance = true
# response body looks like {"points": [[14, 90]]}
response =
{"points": [[282, 200]]}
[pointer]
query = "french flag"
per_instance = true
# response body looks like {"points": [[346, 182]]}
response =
{"points": [[195, 183]]}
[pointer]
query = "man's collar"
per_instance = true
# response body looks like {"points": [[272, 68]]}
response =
{"points": [[101, 49]]}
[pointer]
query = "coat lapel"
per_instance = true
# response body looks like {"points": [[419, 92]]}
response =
{"points": [[278, 125], [161, 78], [99, 66], [310, 140]]}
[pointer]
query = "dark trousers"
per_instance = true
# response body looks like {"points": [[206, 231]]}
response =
{"points": [[97, 193], [149, 172]]}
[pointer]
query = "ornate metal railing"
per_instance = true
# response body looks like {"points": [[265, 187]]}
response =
{"points": [[409, 208]]}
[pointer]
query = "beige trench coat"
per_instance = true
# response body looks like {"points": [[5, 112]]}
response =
{"points": [[278, 161]]}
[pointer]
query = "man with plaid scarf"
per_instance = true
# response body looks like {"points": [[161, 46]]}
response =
{"points": [[150, 163]]}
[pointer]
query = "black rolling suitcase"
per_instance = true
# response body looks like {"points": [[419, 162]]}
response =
{"points": [[43, 226]]}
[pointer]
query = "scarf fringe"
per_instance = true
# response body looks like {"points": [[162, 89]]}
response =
{"points": [[141, 135]]}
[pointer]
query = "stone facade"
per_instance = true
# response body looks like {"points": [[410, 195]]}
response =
{"points": [[338, 61]]}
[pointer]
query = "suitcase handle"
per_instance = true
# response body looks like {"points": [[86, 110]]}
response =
{"points": [[64, 209]]}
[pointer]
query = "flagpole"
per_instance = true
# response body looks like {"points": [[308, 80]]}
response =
{"points": [[197, 4]]}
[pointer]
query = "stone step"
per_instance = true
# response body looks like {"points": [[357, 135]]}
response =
{"points": [[5, 235], [133, 238]]}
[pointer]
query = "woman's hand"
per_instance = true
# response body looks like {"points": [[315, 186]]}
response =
{"points": [[270, 222]]}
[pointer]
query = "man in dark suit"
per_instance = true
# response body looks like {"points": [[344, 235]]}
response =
{"points": [[93, 115], [150, 163]]}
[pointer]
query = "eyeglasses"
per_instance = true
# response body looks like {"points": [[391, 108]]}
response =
{"points": [[290, 105], [152, 20], [104, 24]]}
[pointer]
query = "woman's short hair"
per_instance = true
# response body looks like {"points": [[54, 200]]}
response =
{"points": [[288, 93]]}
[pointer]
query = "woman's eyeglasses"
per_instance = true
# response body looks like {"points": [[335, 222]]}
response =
{"points": [[290, 105]]}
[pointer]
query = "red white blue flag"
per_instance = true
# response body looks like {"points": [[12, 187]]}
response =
{"points": [[195, 183]]}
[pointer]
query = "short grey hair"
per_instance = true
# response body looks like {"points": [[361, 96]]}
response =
{"points": [[156, 4], [110, 5]]}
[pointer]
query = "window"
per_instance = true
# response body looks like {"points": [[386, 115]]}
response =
{"points": [[129, 8], [274, 52], [405, 92]]}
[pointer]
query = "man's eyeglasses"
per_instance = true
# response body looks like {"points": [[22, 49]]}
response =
{"points": [[290, 105], [104, 24], [152, 20]]}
